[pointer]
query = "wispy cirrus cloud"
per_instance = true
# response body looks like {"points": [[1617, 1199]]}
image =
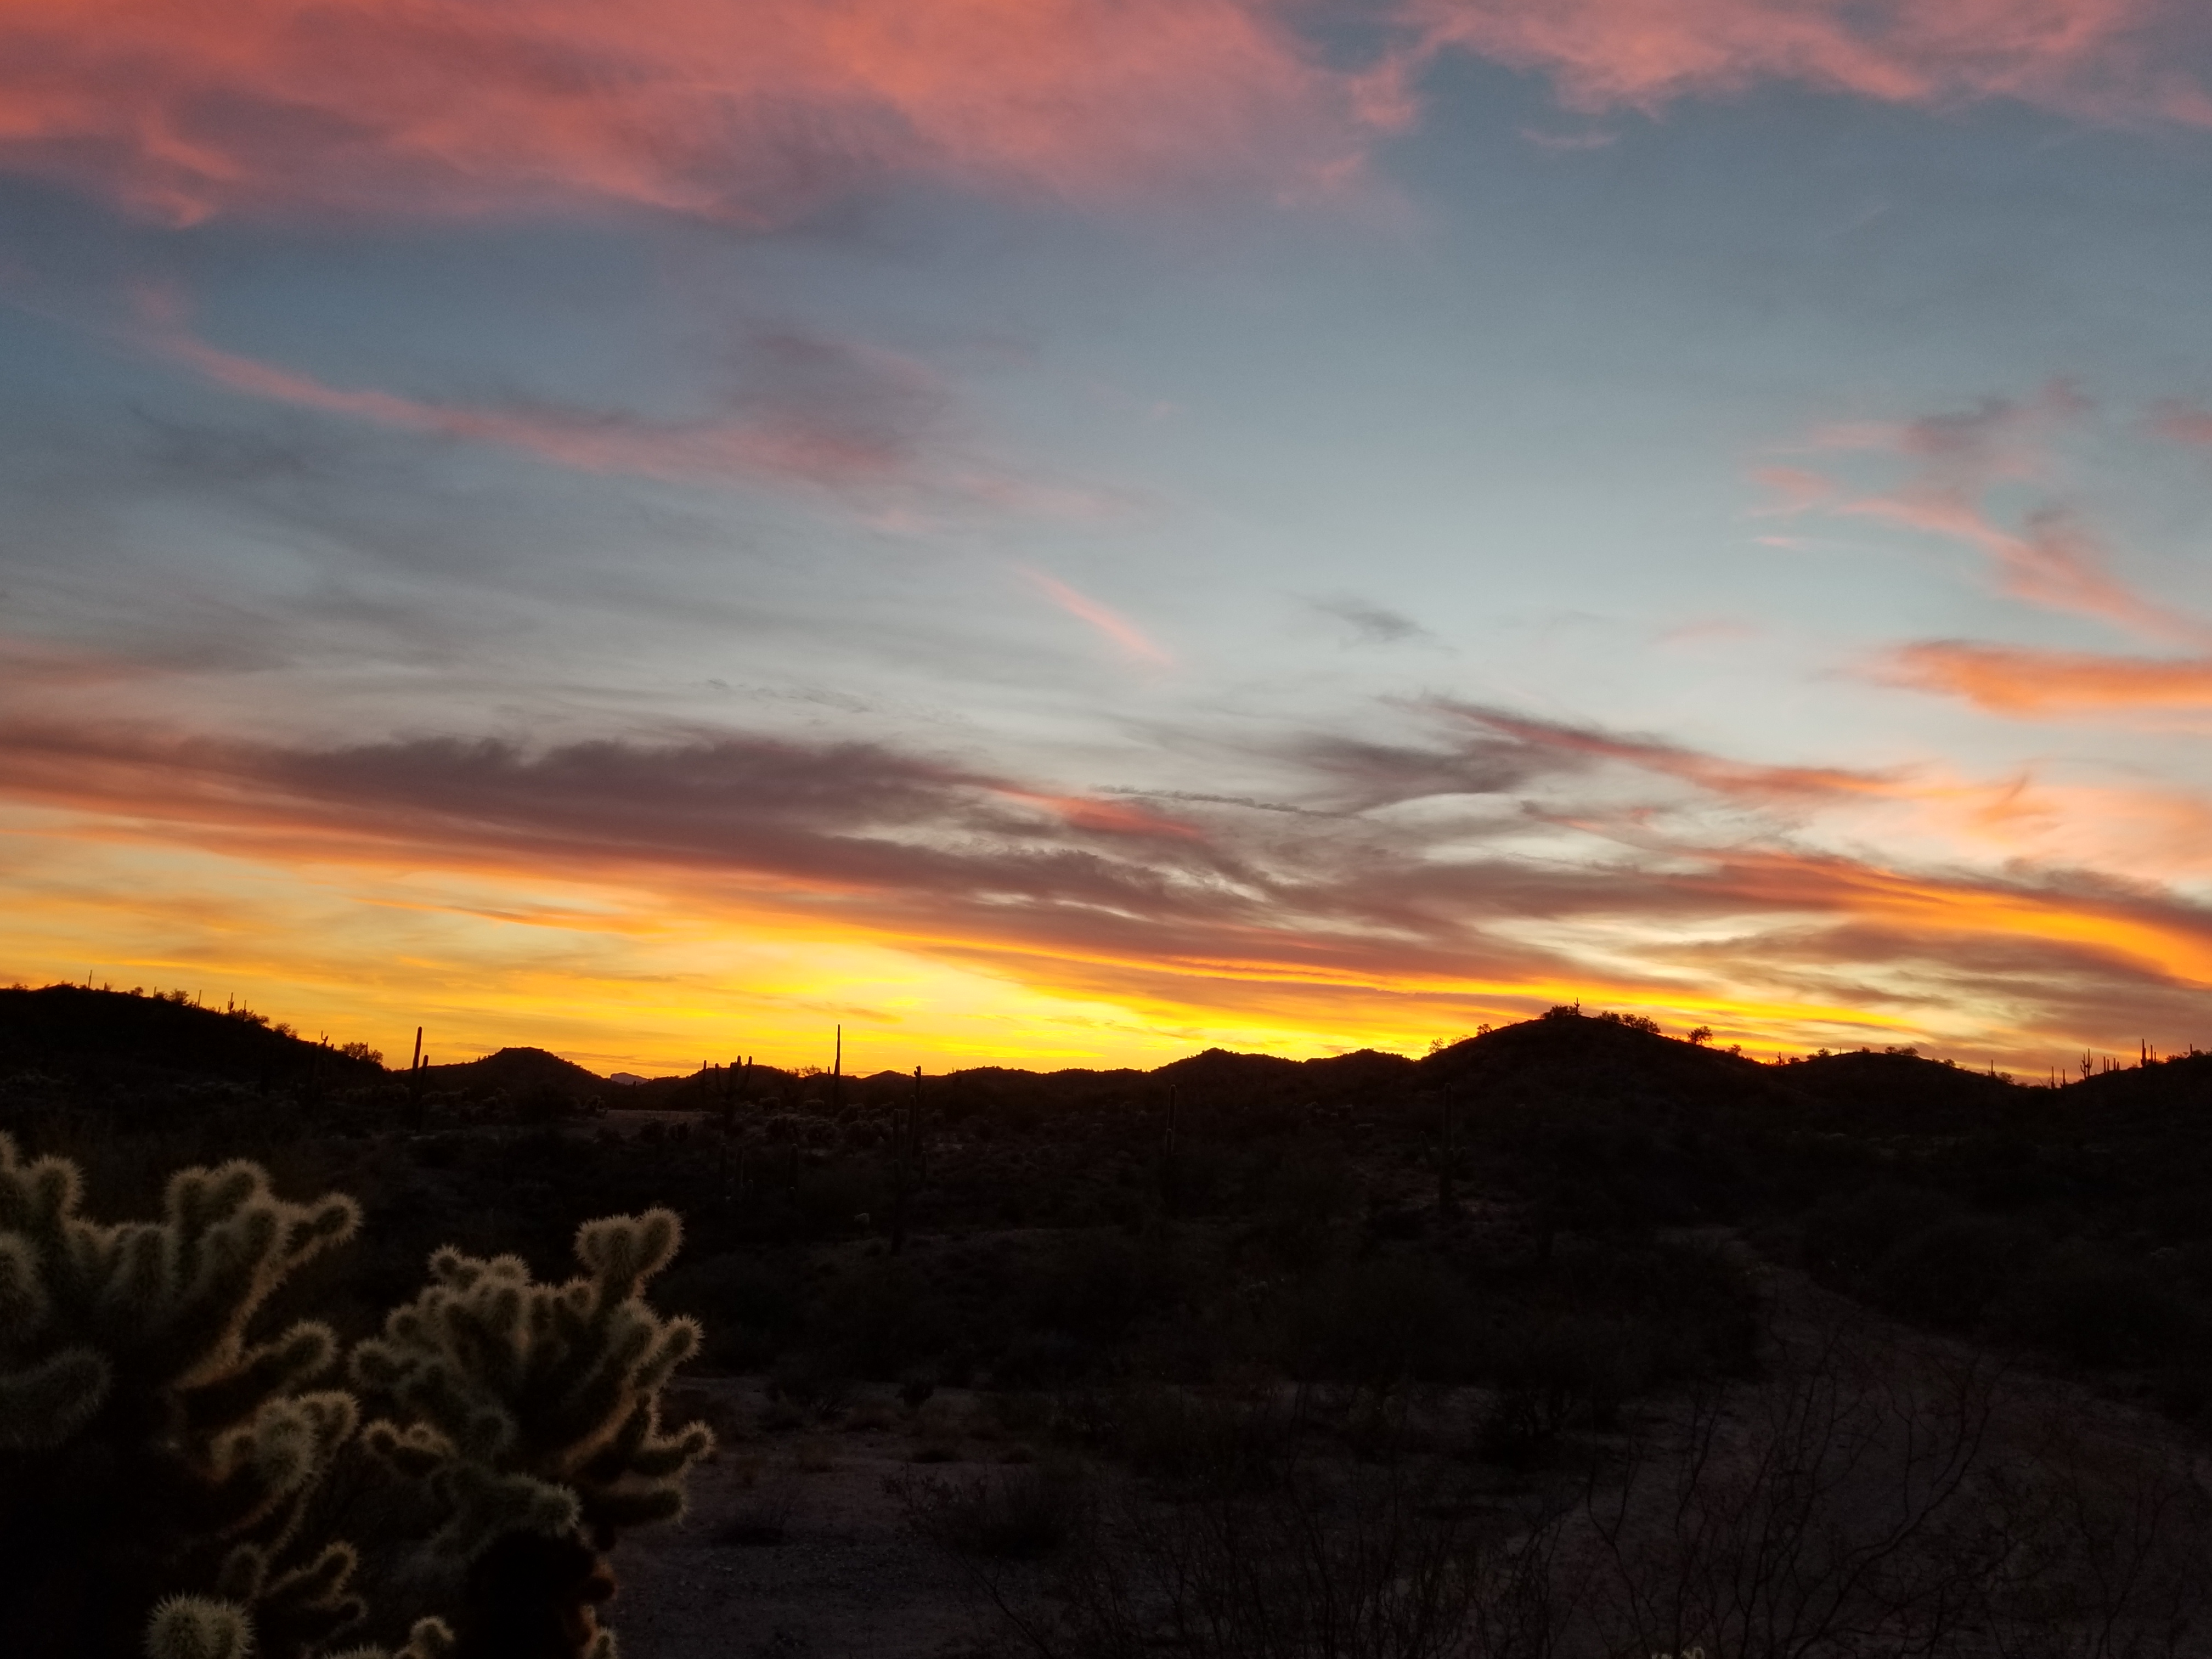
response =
{"points": [[1125, 633], [2122, 62], [1366, 622], [751, 113], [1954, 462], [840, 416], [2184, 422], [1737, 779], [590, 440]]}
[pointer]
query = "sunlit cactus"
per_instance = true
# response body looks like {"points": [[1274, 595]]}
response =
{"points": [[158, 1459], [531, 1411], [150, 1443], [194, 1627]]}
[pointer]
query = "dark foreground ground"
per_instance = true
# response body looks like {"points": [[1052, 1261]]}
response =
{"points": [[1570, 1339]]}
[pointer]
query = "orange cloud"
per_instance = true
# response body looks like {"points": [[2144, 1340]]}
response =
{"points": [[2119, 61], [2012, 680], [748, 113]]}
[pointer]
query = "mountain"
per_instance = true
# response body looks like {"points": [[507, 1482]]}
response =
{"points": [[119, 1035]]}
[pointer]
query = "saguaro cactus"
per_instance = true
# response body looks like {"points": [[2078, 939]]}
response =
{"points": [[150, 1445], [532, 1412]]}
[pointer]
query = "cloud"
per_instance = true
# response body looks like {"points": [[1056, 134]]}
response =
{"points": [[1115, 627], [2184, 422], [1586, 140], [1955, 460], [1737, 779], [590, 441], [2021, 681], [1327, 919], [2121, 62], [750, 113], [1360, 775], [1368, 624], [756, 113], [799, 408]]}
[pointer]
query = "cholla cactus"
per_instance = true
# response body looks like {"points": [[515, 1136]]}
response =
{"points": [[149, 1443], [158, 1459], [535, 1415]]}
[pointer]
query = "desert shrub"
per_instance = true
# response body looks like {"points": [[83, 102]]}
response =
{"points": [[1305, 1197], [1947, 1274], [1382, 1563], [762, 1515], [2099, 1308], [812, 1380], [1182, 1437], [1575, 1370], [1018, 1514], [1386, 1319], [1043, 1359], [883, 1321], [1691, 1309], [751, 1306], [1845, 1237], [1095, 1286]]}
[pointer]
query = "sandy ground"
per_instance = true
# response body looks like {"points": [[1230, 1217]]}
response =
{"points": [[846, 1579]]}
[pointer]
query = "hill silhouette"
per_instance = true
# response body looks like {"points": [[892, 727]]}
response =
{"points": [[2069, 1219], [516, 1070], [72, 1030]]}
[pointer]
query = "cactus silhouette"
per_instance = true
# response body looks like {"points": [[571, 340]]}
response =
{"points": [[160, 1458], [150, 1443], [533, 1412]]}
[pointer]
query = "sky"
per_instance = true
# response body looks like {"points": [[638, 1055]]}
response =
{"points": [[1064, 532]]}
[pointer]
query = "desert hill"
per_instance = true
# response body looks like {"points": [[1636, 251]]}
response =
{"points": [[121, 1036]]}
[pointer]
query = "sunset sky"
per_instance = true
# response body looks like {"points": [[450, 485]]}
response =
{"points": [[1068, 532]]}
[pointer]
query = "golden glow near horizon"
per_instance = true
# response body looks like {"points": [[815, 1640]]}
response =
{"points": [[620, 978]]}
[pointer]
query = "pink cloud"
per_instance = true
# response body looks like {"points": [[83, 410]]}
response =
{"points": [[747, 112], [2183, 423], [2119, 61], [1115, 627], [1955, 461], [2053, 561], [1800, 489]]}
